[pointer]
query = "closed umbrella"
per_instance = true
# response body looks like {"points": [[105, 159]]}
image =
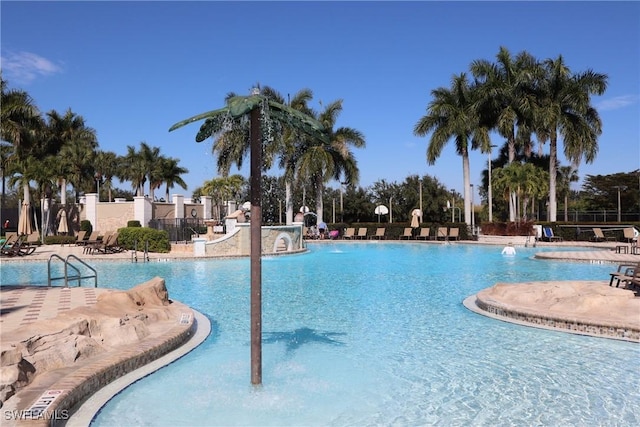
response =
{"points": [[63, 226], [24, 223], [415, 222]]}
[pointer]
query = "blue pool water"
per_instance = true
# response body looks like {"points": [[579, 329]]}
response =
{"points": [[373, 334]]}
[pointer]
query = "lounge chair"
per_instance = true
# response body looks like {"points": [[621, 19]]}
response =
{"points": [[17, 247], [598, 235], [407, 233], [379, 234], [629, 234], [442, 233], [362, 233], [454, 233], [93, 238], [630, 280], [547, 234], [91, 248], [424, 233], [349, 233], [625, 269], [80, 237], [109, 246]]}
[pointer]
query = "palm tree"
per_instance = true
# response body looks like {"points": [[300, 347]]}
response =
{"points": [[506, 100], [20, 119], [107, 167], [566, 175], [151, 159], [319, 161], [69, 130], [564, 108], [451, 114], [132, 169], [170, 173], [223, 189], [79, 153], [21, 125]]}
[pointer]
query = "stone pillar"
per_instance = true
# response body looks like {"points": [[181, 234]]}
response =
{"points": [[91, 209], [178, 202], [142, 210], [206, 206]]}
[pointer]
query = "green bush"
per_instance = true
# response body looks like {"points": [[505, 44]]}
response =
{"points": [[85, 225], [60, 240], [134, 223], [158, 239]]}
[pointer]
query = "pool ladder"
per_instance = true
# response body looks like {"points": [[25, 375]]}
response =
{"points": [[145, 253], [67, 264]]}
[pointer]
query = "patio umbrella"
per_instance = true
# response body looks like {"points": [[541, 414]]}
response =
{"points": [[415, 222], [63, 226], [24, 223]]}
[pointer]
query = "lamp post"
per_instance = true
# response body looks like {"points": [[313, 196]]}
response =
{"points": [[619, 187], [98, 176], [489, 187]]}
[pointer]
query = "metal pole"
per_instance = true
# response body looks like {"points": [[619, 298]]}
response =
{"points": [[256, 250], [390, 211], [619, 187]]}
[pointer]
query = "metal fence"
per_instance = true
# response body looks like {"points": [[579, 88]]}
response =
{"points": [[180, 229]]}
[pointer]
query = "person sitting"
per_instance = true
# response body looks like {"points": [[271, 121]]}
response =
{"points": [[509, 250]]}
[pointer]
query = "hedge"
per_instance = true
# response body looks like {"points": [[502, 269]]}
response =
{"points": [[158, 239]]}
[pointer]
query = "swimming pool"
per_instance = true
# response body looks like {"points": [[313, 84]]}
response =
{"points": [[375, 334]]}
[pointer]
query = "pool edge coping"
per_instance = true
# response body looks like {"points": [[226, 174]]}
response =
{"points": [[494, 311]]}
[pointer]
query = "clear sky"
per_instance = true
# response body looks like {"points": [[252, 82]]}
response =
{"points": [[132, 69]]}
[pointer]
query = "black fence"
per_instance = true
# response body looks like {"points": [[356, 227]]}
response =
{"points": [[180, 229]]}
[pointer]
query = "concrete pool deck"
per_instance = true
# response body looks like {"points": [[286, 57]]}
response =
{"points": [[22, 305]]}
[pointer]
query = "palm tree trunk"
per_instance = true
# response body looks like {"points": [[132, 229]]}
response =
{"points": [[566, 208], [319, 201], [467, 188], [553, 159], [288, 202], [511, 145]]}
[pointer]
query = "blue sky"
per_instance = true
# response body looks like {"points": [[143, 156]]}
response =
{"points": [[132, 69]]}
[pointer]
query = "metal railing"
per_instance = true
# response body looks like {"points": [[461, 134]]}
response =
{"points": [[145, 253], [67, 264]]}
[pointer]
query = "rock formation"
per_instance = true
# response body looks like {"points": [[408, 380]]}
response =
{"points": [[119, 318]]}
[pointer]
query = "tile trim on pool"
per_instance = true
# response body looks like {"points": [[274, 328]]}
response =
{"points": [[495, 310]]}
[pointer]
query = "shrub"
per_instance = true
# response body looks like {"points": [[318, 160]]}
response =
{"points": [[85, 225], [60, 240], [134, 223], [158, 239]]}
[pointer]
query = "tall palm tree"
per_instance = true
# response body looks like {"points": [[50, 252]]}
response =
{"points": [[564, 109], [289, 141], [451, 114], [138, 166], [169, 174], [507, 102], [107, 166], [319, 161], [20, 118], [79, 153], [70, 130], [566, 175], [21, 125]]}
